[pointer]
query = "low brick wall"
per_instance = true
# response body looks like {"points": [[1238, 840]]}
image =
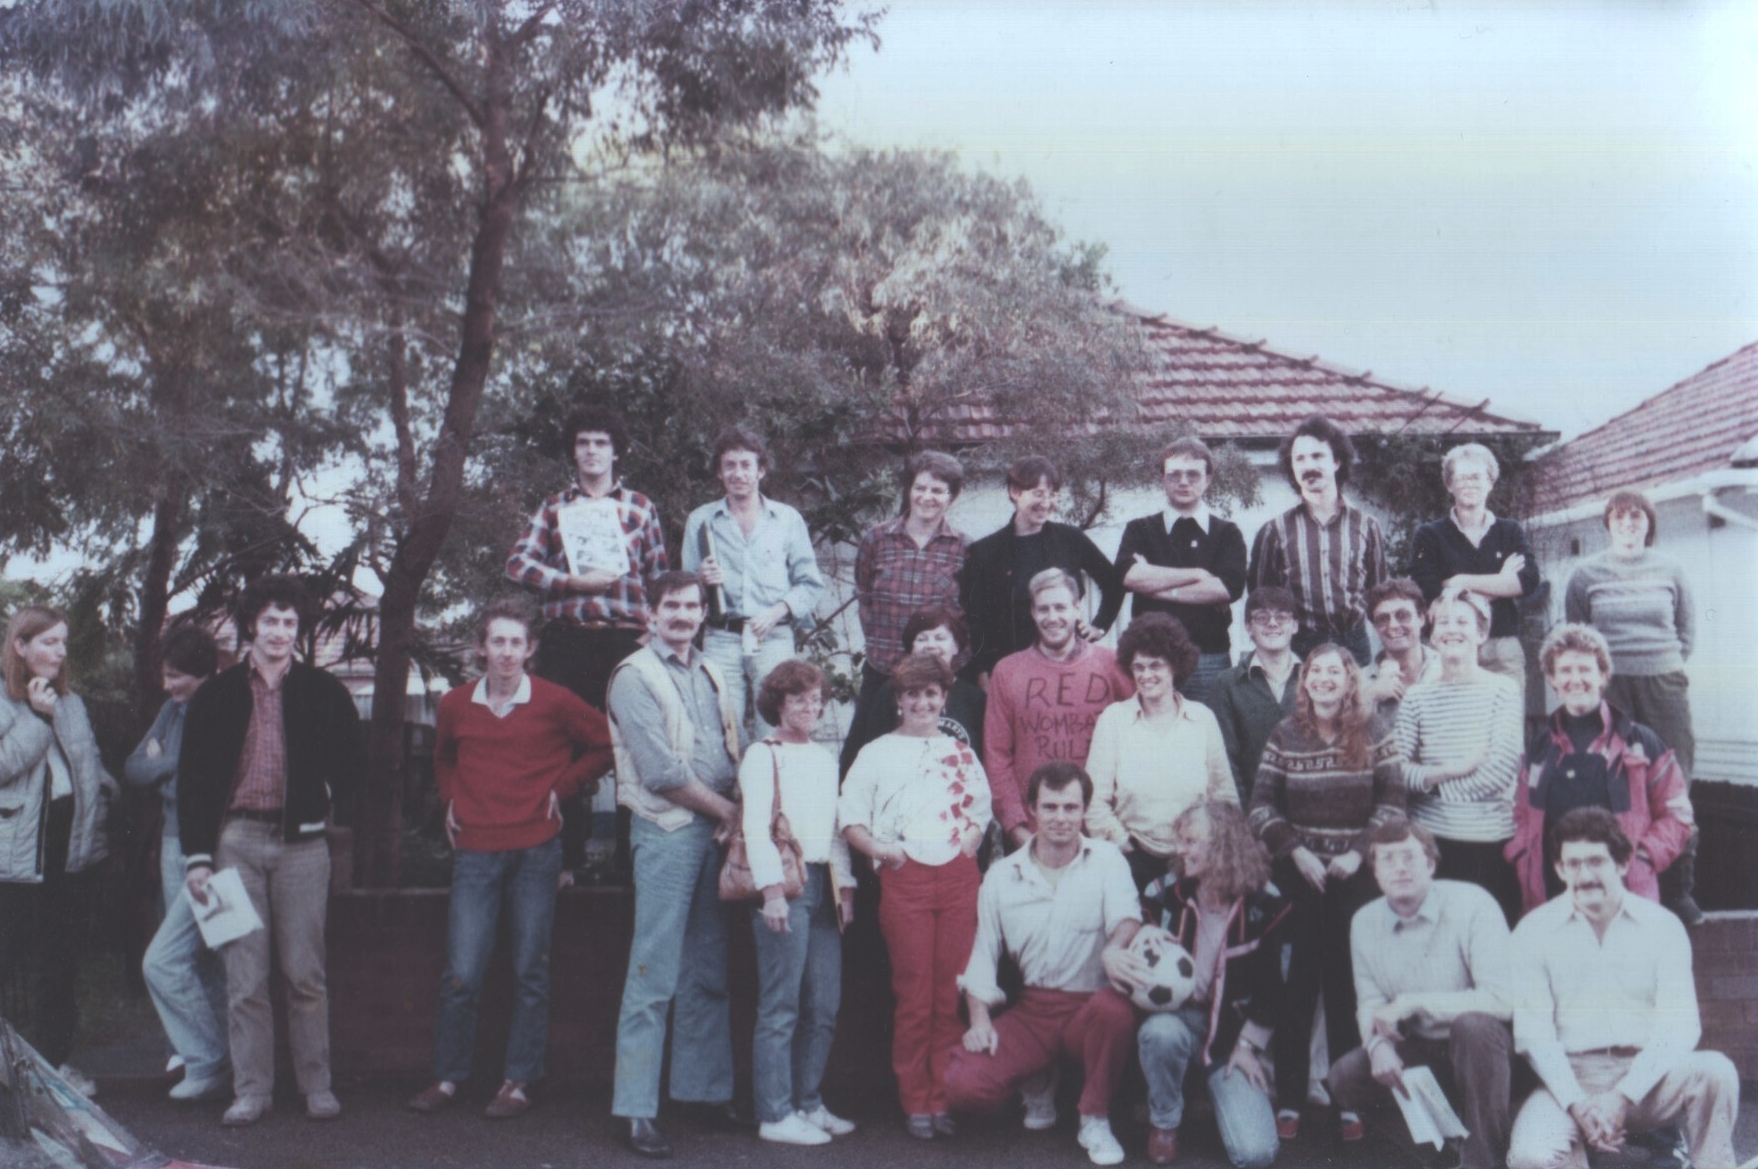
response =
{"points": [[387, 951]]}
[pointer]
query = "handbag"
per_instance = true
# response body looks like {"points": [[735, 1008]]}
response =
{"points": [[736, 883]]}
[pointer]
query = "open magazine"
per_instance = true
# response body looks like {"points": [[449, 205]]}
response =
{"points": [[1431, 1119]]}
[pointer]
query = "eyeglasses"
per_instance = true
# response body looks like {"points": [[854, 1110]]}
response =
{"points": [[1270, 619]]}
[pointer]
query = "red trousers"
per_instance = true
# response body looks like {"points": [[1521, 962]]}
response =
{"points": [[928, 914], [1097, 1028]]}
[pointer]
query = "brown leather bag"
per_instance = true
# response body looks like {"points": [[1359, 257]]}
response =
{"points": [[736, 883]]}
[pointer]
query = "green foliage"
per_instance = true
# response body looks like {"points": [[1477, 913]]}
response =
{"points": [[1402, 473]]}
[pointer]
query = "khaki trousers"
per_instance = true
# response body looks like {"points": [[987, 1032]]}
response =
{"points": [[1701, 1093], [289, 884]]}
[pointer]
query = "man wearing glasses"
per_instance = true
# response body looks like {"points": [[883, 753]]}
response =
{"points": [[1252, 697], [1187, 563]]}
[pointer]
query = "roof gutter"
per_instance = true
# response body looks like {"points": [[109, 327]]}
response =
{"points": [[1704, 486]]}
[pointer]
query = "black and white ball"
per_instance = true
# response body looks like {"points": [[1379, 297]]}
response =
{"points": [[1171, 973]]}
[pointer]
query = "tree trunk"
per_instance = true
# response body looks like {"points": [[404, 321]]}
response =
{"points": [[382, 812], [155, 597]]}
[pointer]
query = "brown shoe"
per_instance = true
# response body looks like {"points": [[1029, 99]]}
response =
{"points": [[1163, 1146], [509, 1102], [431, 1098]]}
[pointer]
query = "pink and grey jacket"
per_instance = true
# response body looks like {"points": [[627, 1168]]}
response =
{"points": [[1648, 796]]}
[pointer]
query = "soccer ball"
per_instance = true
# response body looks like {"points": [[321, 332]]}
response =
{"points": [[1171, 972]]}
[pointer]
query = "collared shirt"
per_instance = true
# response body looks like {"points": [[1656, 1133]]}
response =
{"points": [[1428, 669], [1201, 540], [1056, 931], [1329, 567], [261, 783], [1578, 993], [1451, 956], [539, 562], [641, 723], [479, 695], [1247, 708], [894, 577], [774, 563], [1146, 771]]}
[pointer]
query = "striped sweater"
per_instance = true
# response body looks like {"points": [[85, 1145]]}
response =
{"points": [[1443, 725], [1306, 794]]}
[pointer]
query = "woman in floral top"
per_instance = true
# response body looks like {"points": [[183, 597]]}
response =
{"points": [[917, 802]]}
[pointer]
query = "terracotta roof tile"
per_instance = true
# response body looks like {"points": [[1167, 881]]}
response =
{"points": [[1695, 426]]}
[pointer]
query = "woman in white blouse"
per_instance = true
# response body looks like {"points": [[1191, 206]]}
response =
{"points": [[917, 802], [1155, 754], [799, 942]]}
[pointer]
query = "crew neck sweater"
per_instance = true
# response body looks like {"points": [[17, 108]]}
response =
{"points": [[1641, 605]]}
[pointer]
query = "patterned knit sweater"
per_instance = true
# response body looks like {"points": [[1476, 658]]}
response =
{"points": [[1307, 794]]}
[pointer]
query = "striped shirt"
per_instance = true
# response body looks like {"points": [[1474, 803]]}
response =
{"points": [[1307, 794], [540, 563], [261, 783], [1446, 724], [894, 577], [1328, 567]]}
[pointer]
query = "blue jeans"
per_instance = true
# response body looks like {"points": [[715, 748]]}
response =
{"points": [[524, 880], [799, 988], [1167, 1044], [678, 953], [187, 981], [1208, 668], [745, 674]]}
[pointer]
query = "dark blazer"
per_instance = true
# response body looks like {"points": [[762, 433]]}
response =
{"points": [[325, 756], [1248, 987], [999, 623]]}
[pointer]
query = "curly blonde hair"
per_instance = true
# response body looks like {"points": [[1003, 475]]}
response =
{"points": [[1238, 864]]}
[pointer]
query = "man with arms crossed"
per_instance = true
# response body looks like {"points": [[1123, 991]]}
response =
{"points": [[1187, 563], [1431, 970], [268, 746], [675, 735], [1065, 908], [509, 749], [1607, 1015]]}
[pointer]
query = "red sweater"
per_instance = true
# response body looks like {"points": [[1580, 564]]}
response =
{"points": [[1042, 711], [498, 772]]}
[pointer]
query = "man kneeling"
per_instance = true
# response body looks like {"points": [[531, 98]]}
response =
{"points": [[1065, 908], [1431, 963]]}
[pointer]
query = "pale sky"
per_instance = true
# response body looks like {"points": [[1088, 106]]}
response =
{"points": [[1553, 206]]}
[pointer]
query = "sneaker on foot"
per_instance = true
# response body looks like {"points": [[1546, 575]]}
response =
{"points": [[322, 1106], [174, 1065], [77, 1080], [1039, 1094], [246, 1110], [793, 1129], [920, 1125], [1099, 1142], [830, 1122], [944, 1125], [191, 1091], [1287, 1125], [1350, 1128]]}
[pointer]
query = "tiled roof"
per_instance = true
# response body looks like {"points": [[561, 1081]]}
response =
{"points": [[1695, 426], [1233, 388]]}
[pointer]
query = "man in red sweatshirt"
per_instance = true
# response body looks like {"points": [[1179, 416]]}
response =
{"points": [[1043, 701], [510, 748]]}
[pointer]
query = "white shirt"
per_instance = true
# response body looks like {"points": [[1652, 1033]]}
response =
{"points": [[479, 696], [1056, 932], [920, 793], [1200, 515], [1576, 993], [808, 800], [1146, 771]]}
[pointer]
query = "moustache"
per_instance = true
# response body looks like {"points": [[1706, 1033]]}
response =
{"points": [[1312, 476]]}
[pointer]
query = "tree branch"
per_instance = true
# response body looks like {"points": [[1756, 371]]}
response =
{"points": [[427, 57]]}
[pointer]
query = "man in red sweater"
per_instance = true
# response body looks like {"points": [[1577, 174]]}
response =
{"points": [[1043, 701], [510, 748]]}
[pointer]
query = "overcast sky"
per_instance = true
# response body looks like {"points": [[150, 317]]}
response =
{"points": [[1551, 206]]}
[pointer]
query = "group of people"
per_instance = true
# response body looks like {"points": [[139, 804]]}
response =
{"points": [[1311, 823]]}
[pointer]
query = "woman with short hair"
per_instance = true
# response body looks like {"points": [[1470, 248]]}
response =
{"points": [[939, 630], [1156, 754], [56, 797], [917, 803], [799, 941]]}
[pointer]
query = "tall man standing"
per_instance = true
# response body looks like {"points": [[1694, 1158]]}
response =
{"points": [[757, 555], [675, 735], [508, 750], [1607, 1015], [1044, 701], [1186, 562], [1324, 550], [268, 746]]}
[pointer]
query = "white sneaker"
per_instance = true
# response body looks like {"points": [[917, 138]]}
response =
{"points": [[188, 1091], [1096, 1138], [77, 1080], [793, 1130], [1039, 1094], [174, 1065], [822, 1117]]}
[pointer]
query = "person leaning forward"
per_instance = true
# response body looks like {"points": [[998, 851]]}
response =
{"points": [[675, 737]]}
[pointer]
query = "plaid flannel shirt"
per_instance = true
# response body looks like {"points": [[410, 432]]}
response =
{"points": [[894, 578], [539, 563]]}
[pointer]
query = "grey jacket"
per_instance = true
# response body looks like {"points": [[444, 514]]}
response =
{"points": [[25, 743]]}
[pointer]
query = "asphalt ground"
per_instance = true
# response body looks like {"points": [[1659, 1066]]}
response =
{"points": [[572, 1129]]}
